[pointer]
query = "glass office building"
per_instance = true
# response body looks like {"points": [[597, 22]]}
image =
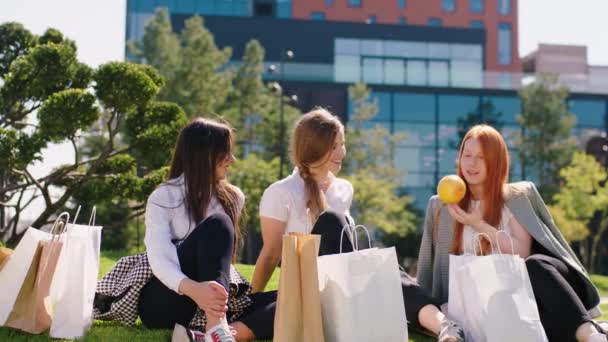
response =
{"points": [[424, 78]]}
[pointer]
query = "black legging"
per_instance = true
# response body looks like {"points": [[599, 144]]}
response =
{"points": [[330, 225], [205, 255], [557, 289]]}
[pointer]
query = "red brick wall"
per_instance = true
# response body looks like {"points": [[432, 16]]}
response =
{"points": [[417, 12]]}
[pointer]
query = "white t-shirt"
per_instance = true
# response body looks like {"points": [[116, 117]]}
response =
{"points": [[468, 241], [285, 201], [167, 219]]}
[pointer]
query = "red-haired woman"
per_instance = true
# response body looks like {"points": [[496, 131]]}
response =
{"points": [[567, 299]]}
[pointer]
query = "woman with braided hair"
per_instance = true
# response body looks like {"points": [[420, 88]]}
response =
{"points": [[313, 200]]}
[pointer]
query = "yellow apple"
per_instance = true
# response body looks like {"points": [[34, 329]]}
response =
{"points": [[451, 189]]}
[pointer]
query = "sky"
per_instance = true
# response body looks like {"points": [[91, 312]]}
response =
{"points": [[98, 27]]}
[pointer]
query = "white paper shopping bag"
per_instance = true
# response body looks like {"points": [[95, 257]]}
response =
{"points": [[361, 296], [500, 299], [73, 288]]}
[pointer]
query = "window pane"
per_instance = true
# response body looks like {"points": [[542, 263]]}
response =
{"points": [[477, 24], [372, 70], [347, 69], [504, 43], [414, 107], [394, 71], [504, 7], [438, 74], [354, 3], [466, 51], [420, 195], [434, 22], [589, 113], [402, 4], [329, 3], [447, 160], [438, 50], [449, 136], [505, 107], [405, 49], [467, 74], [453, 107], [448, 5], [371, 47], [415, 159], [476, 6], [384, 105], [317, 16], [416, 134], [346, 46], [416, 72]]}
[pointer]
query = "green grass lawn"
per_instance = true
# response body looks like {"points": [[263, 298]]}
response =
{"points": [[109, 331]]}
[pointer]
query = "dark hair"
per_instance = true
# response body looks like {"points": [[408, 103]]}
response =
{"points": [[201, 145], [312, 140]]}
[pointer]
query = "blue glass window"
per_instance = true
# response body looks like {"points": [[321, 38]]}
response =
{"points": [[504, 7], [402, 4], [504, 44], [434, 22], [589, 113], [476, 6], [317, 16], [354, 3], [414, 107], [448, 5], [329, 3], [477, 24]]}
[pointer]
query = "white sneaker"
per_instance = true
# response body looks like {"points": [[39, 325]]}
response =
{"points": [[219, 333], [183, 334]]}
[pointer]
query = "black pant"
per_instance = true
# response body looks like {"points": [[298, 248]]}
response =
{"points": [[330, 225], [557, 289], [205, 255]]}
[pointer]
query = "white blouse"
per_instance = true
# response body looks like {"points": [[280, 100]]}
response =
{"points": [[468, 236], [285, 200], [166, 220]]}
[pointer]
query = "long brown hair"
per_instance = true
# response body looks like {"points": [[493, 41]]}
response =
{"points": [[312, 140], [200, 146], [496, 159]]}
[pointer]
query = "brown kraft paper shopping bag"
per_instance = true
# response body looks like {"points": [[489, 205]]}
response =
{"points": [[30, 312], [298, 314], [5, 254]]}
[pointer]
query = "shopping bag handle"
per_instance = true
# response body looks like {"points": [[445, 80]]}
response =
{"points": [[477, 239], [77, 213], [510, 240], [93, 216], [57, 226], [353, 231]]}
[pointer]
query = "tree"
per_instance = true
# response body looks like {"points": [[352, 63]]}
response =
{"points": [[45, 98], [369, 167], [485, 113], [546, 144], [252, 175], [191, 63], [582, 195]]}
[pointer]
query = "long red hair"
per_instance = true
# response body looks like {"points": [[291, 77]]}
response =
{"points": [[496, 158]]}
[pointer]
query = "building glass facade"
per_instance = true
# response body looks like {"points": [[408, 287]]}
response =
{"points": [[426, 80]]}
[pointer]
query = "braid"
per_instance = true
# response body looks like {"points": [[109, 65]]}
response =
{"points": [[315, 199]]}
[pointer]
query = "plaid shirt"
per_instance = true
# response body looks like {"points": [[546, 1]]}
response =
{"points": [[117, 293]]}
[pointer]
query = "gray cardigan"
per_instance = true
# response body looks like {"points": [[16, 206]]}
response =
{"points": [[528, 207]]}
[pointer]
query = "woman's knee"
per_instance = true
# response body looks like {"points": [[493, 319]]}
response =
{"points": [[217, 226], [332, 219]]}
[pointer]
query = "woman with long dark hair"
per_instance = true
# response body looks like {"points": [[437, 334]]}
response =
{"points": [[192, 235]]}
